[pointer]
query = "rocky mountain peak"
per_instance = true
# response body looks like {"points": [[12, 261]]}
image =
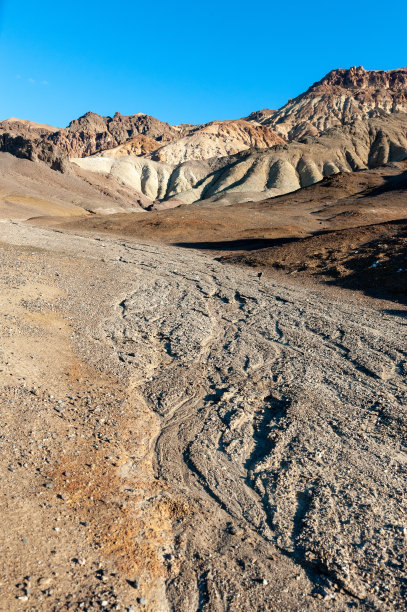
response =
{"points": [[340, 97], [357, 77], [90, 122]]}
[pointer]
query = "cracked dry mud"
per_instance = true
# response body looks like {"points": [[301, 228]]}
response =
{"points": [[230, 443]]}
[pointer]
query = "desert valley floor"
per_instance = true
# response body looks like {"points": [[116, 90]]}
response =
{"points": [[180, 433]]}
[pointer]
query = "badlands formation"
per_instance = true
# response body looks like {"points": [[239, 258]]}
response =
{"points": [[203, 358], [257, 174]]}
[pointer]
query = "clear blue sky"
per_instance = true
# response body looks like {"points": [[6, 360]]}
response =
{"points": [[181, 61]]}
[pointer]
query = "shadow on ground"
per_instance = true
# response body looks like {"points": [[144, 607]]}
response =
{"points": [[244, 244]]}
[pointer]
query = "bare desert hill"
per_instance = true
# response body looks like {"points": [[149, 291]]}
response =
{"points": [[354, 102], [87, 135], [215, 139], [257, 174], [340, 97], [92, 133]]}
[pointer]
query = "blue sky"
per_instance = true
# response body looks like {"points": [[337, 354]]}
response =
{"points": [[186, 62]]}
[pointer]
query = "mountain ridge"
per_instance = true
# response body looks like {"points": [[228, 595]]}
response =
{"points": [[351, 119], [341, 96], [255, 173]]}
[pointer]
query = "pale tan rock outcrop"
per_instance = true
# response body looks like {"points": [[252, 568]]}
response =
{"points": [[138, 146], [143, 175], [217, 139]]}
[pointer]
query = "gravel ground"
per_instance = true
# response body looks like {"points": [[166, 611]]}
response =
{"points": [[201, 439]]}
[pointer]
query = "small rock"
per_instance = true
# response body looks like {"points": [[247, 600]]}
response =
{"points": [[142, 601], [79, 561], [264, 582]]}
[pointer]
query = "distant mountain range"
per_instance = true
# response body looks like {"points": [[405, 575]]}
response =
{"points": [[351, 119]]}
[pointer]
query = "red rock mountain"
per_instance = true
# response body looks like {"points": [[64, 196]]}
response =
{"points": [[340, 97]]}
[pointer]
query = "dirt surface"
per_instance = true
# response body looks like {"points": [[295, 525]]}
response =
{"points": [[338, 202], [370, 258], [178, 434]]}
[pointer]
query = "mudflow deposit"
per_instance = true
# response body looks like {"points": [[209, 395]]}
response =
{"points": [[203, 358]]}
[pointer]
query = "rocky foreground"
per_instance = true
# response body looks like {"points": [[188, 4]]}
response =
{"points": [[179, 434]]}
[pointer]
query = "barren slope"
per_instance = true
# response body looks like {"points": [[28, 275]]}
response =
{"points": [[340, 97], [255, 175], [29, 189], [92, 133]]}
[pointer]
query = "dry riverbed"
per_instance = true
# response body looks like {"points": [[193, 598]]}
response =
{"points": [[177, 434]]}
